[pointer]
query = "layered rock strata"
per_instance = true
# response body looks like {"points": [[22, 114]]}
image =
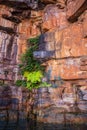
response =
{"points": [[15, 103], [63, 51], [62, 26]]}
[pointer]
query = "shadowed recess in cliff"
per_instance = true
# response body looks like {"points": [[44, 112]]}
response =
{"points": [[21, 14], [25, 4], [13, 4], [78, 7], [11, 18], [7, 30], [9, 47]]}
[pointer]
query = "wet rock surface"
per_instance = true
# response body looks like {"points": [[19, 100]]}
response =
{"points": [[13, 101], [48, 105], [59, 103]]}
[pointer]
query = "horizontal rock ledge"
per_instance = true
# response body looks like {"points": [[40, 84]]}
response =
{"points": [[44, 54], [14, 4], [7, 30], [20, 3], [11, 18]]}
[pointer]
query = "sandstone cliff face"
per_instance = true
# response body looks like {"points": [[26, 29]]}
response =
{"points": [[13, 37], [64, 39], [62, 26], [65, 34]]}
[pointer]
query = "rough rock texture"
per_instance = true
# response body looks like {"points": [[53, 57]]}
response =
{"points": [[62, 26], [75, 8], [63, 51], [14, 102], [13, 38], [65, 104]]}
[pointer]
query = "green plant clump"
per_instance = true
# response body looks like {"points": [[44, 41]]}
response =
{"points": [[1, 83], [21, 83], [31, 68], [34, 40]]}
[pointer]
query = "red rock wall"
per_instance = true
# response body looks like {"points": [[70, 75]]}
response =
{"points": [[69, 42], [65, 32], [13, 40]]}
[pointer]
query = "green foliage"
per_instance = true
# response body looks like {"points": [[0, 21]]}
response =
{"points": [[34, 40], [1, 83], [33, 79], [31, 69], [45, 84], [20, 83], [29, 63]]}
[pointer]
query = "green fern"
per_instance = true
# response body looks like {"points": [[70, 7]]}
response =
{"points": [[33, 77], [30, 68]]}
